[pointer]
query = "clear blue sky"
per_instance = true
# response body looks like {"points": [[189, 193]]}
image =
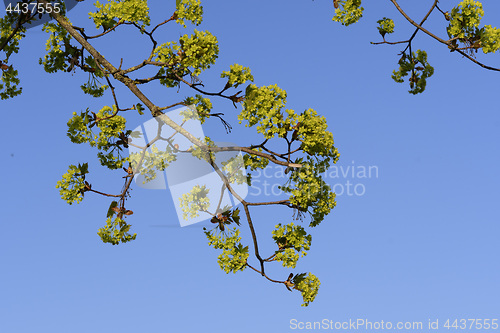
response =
{"points": [[420, 243]]}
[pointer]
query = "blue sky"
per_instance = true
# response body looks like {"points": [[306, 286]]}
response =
{"points": [[420, 243]]}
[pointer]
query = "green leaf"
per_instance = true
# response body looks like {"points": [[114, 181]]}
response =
{"points": [[108, 24], [139, 108], [298, 278]]}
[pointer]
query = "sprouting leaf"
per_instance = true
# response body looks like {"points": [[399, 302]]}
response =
{"points": [[139, 108], [236, 216], [84, 168]]}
